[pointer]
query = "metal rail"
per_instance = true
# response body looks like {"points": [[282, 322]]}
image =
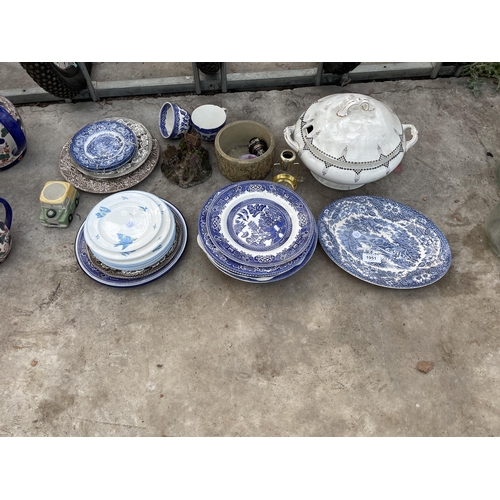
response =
{"points": [[222, 82]]}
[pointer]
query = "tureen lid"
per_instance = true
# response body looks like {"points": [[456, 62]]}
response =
{"points": [[351, 128]]}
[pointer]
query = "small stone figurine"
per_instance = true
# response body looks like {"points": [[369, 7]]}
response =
{"points": [[189, 165]]}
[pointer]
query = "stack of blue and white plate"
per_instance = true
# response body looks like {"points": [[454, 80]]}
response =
{"points": [[130, 238], [257, 231], [102, 147]]}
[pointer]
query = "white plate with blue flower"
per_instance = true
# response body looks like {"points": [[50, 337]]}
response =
{"points": [[97, 274], [151, 252], [260, 223], [103, 145], [123, 222], [384, 242]]}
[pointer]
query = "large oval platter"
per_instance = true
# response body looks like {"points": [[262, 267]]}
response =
{"points": [[384, 242]]}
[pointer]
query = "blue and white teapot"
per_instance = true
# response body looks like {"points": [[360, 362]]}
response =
{"points": [[12, 135]]}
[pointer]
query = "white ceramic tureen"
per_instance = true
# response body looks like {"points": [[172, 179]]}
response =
{"points": [[347, 140]]}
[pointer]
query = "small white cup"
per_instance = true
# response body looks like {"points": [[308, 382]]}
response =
{"points": [[207, 120]]}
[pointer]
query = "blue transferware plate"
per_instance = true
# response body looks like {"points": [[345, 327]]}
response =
{"points": [[271, 279], [103, 145], [384, 242], [259, 223], [248, 270], [98, 275]]}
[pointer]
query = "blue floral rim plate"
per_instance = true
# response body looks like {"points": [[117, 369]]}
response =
{"points": [[98, 275], [103, 145], [384, 242], [248, 270], [285, 274], [259, 223]]}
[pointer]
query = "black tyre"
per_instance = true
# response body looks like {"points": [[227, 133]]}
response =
{"points": [[339, 68], [77, 202], [64, 80], [70, 218], [209, 68]]}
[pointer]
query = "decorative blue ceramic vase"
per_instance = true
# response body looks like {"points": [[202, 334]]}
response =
{"points": [[12, 135]]}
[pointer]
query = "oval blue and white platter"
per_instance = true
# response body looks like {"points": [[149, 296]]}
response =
{"points": [[384, 242]]}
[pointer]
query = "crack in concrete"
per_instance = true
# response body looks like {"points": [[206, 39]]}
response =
{"points": [[109, 423]]}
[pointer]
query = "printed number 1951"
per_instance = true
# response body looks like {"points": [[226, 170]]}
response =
{"points": [[372, 257]]}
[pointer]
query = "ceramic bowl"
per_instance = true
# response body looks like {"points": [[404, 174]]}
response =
{"points": [[207, 120], [12, 135], [174, 121], [229, 147]]}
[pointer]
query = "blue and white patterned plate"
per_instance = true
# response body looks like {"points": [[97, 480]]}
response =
{"points": [[249, 270], [103, 145], [98, 275], [384, 242], [268, 279], [260, 223]]}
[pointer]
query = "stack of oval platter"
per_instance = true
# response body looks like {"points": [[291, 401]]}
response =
{"points": [[384, 242], [130, 238], [109, 155], [257, 231]]}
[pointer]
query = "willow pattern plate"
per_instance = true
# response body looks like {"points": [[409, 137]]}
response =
{"points": [[259, 222], [271, 279], [248, 270], [384, 242]]}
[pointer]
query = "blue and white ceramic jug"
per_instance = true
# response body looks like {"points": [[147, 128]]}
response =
{"points": [[5, 237]]}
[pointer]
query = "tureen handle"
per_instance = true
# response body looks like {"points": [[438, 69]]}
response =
{"points": [[364, 103], [414, 136], [288, 138]]}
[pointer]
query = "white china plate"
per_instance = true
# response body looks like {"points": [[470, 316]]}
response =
{"points": [[123, 222], [157, 246], [259, 222], [101, 277], [384, 242]]}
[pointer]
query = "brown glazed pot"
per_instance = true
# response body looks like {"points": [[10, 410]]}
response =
{"points": [[240, 133]]}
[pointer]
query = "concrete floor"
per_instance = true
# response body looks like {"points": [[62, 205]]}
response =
{"points": [[197, 353]]}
